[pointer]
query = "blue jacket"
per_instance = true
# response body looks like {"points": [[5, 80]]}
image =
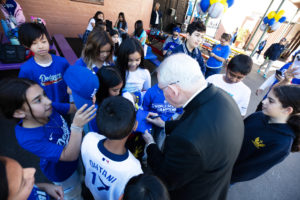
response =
{"points": [[196, 54], [264, 146], [274, 51]]}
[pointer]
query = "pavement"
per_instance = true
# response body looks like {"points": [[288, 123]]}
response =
{"points": [[279, 183]]}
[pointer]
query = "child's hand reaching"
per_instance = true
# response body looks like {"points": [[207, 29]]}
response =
{"points": [[83, 116], [54, 191]]}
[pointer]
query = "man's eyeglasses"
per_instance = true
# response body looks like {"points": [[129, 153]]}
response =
{"points": [[164, 87]]}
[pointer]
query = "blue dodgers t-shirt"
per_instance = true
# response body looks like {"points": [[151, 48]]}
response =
{"points": [[172, 44], [154, 101], [48, 142], [219, 50], [37, 194], [49, 78]]}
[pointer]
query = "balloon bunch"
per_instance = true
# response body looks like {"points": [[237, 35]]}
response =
{"points": [[273, 21], [214, 7]]}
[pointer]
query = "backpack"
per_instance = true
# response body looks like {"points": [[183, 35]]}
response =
{"points": [[12, 53]]}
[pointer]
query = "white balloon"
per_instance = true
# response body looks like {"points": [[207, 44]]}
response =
{"points": [[262, 27], [275, 26], [216, 10]]}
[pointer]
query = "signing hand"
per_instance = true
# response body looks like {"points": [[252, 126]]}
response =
{"points": [[154, 119]]}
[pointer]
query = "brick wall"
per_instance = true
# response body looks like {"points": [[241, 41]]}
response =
{"points": [[71, 18]]}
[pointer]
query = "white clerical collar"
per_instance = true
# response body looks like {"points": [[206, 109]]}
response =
{"points": [[196, 93]]}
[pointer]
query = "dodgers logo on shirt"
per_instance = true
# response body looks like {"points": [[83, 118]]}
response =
{"points": [[51, 79], [65, 137]]}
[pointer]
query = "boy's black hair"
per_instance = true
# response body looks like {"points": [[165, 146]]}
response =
{"points": [[29, 32], [146, 187], [240, 63], [196, 26], [116, 117]]}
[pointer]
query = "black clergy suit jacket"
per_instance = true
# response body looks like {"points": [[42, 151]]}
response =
{"points": [[201, 148]]}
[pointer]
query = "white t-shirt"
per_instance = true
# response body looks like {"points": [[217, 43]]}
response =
{"points": [[139, 80], [238, 91], [90, 27], [106, 173]]}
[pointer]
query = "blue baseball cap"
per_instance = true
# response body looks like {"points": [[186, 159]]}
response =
{"points": [[176, 29], [84, 84]]}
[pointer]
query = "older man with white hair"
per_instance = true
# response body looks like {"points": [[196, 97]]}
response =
{"points": [[202, 146]]}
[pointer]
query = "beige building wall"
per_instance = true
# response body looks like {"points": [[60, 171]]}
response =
{"points": [[71, 18]]}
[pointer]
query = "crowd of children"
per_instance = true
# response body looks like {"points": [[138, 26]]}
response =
{"points": [[93, 107]]}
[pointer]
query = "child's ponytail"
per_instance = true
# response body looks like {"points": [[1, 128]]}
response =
{"points": [[294, 123]]}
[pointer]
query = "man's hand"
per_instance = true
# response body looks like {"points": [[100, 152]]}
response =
{"points": [[154, 119]]}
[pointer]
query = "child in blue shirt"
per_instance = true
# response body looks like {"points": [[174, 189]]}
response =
{"points": [[45, 69], [44, 132], [155, 103], [270, 135], [218, 56], [18, 183], [195, 33], [139, 32], [172, 42]]}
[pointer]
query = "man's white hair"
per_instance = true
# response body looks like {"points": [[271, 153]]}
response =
{"points": [[182, 70]]}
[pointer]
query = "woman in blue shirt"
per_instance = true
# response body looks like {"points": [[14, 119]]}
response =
{"points": [[139, 32]]}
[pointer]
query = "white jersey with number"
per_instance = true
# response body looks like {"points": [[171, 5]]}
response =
{"points": [[106, 173]]}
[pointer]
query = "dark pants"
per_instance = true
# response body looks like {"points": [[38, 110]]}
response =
{"points": [[212, 71]]}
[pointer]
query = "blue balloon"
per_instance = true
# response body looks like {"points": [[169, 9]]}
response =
{"points": [[230, 3], [204, 5], [271, 22], [282, 19], [266, 20]]}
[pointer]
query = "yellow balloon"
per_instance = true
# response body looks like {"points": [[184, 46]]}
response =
{"points": [[224, 2], [271, 14], [225, 7], [277, 17], [214, 1], [281, 12]]}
